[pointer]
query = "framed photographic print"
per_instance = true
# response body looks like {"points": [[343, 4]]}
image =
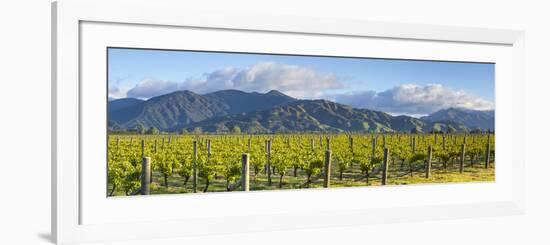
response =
{"points": [[175, 122]]}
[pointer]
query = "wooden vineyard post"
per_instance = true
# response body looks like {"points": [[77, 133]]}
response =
{"points": [[143, 157], [328, 159], [194, 166], [488, 151], [265, 149], [245, 175], [443, 142], [386, 167], [328, 143], [462, 157], [209, 147], [142, 148], [373, 147], [429, 162], [414, 144], [145, 175], [269, 181], [487, 155], [351, 150], [312, 145]]}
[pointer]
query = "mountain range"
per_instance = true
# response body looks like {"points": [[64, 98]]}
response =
{"points": [[470, 118], [273, 112]]}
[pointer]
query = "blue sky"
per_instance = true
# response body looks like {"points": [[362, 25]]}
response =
{"points": [[395, 86]]}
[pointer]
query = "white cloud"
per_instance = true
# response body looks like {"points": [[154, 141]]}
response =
{"points": [[116, 92], [412, 99], [148, 88], [296, 81]]}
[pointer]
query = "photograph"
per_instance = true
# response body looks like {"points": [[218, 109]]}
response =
{"points": [[201, 121]]}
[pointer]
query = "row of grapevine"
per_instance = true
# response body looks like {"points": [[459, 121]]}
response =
{"points": [[216, 161]]}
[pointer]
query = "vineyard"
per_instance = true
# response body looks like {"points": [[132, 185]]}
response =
{"points": [[162, 164]]}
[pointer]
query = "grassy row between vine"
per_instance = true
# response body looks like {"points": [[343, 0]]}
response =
{"points": [[351, 178]]}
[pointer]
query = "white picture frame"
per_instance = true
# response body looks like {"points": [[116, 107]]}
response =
{"points": [[70, 201]]}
